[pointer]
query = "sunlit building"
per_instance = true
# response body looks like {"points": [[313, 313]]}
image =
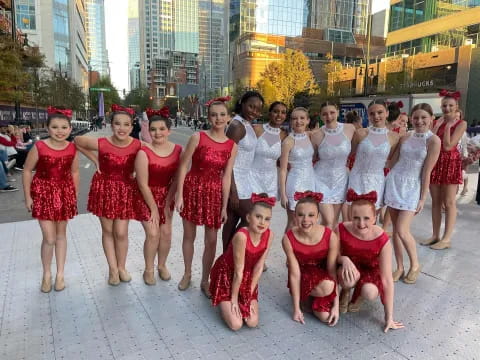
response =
{"points": [[133, 45], [96, 40]]}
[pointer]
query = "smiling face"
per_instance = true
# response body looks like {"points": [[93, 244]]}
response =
{"points": [[278, 115], [449, 106], [300, 121], [59, 129], [421, 120], [363, 217], [329, 115], [402, 121], [377, 115], [259, 219], [159, 132], [306, 216], [122, 126], [252, 108], [218, 116]]}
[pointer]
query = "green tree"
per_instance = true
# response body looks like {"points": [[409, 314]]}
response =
{"points": [[283, 79], [52, 88], [331, 74], [109, 97], [139, 98]]}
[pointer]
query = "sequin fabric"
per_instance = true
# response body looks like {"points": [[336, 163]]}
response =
{"points": [[52, 190], [221, 275], [367, 173], [244, 160], [264, 174], [161, 172], [331, 173], [365, 256], [403, 183], [312, 260], [448, 168], [301, 176], [114, 191], [202, 189]]}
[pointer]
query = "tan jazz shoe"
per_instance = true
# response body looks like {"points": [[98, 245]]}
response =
{"points": [[46, 285], [124, 275], [398, 274], [429, 241], [113, 278], [355, 307], [441, 245], [149, 277], [59, 283], [184, 284], [164, 274], [205, 287], [412, 276], [344, 299]]}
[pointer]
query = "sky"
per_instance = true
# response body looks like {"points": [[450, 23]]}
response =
{"points": [[116, 27]]}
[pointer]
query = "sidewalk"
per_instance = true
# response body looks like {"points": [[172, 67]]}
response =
{"points": [[91, 320]]}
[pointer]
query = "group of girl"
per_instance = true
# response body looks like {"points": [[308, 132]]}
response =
{"points": [[229, 175]]}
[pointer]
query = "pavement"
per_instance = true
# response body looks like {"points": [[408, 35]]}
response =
{"points": [[92, 320]]}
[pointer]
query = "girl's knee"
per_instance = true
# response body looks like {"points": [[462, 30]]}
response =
{"points": [[49, 240], [235, 324], [252, 321], [324, 288], [322, 316], [369, 292]]}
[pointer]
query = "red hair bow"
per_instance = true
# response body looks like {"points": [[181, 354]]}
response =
{"points": [[353, 196], [308, 194], [118, 108], [256, 198], [452, 94], [53, 110], [223, 99], [400, 104], [164, 112]]}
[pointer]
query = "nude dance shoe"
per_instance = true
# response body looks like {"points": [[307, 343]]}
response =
{"points": [[355, 307], [184, 284], [164, 274], [113, 278], [441, 245], [429, 241], [398, 274], [205, 288], [149, 277], [344, 299], [59, 283], [412, 276], [124, 275], [46, 285]]}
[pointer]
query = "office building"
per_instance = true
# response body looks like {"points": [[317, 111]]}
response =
{"points": [[133, 45], [96, 38]]}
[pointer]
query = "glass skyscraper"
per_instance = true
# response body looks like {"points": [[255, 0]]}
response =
{"points": [[61, 34], [133, 44], [96, 43]]}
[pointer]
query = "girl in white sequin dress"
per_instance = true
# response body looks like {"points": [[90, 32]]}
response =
{"points": [[407, 186], [333, 145], [297, 151]]}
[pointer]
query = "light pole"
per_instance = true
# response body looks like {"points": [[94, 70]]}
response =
{"points": [[369, 36]]}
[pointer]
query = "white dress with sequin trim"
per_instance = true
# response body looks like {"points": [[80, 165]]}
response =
{"points": [[301, 175], [264, 174], [403, 183], [244, 160], [367, 173], [331, 173]]}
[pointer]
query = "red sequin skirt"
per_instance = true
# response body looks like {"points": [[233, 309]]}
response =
{"points": [[202, 200], [448, 169], [221, 279], [143, 211], [112, 198], [371, 276], [53, 200]]}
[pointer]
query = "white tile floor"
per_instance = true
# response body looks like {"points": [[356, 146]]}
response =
{"points": [[91, 320]]}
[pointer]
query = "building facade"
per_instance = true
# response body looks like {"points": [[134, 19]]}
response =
{"points": [[96, 38], [133, 45]]}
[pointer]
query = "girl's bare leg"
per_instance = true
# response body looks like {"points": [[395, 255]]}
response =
{"points": [[60, 253], [189, 234], [46, 252], [437, 202]]}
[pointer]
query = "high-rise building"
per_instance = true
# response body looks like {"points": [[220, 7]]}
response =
{"points": [[96, 38], [133, 45]]}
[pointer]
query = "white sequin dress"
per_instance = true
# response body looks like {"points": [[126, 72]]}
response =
{"points": [[244, 160], [264, 174], [331, 173], [371, 157], [403, 183], [301, 175]]}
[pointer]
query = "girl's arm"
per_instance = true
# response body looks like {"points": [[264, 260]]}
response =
{"points": [[171, 193], [387, 282], [235, 131], [394, 140], [450, 141], [287, 145], [227, 182], [357, 138], [27, 176], [239, 243], [294, 276], [141, 171], [258, 268], [396, 153], [76, 174], [333, 252], [185, 161], [349, 270], [88, 146], [433, 151]]}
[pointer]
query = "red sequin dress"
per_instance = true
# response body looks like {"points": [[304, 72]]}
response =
{"points": [[448, 169], [365, 255], [202, 189], [221, 275], [312, 260], [52, 190], [161, 171], [114, 191]]}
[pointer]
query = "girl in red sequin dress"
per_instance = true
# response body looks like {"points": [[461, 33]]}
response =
{"points": [[312, 250], [155, 168], [366, 259], [202, 194], [114, 191], [234, 277], [51, 194], [447, 173]]}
